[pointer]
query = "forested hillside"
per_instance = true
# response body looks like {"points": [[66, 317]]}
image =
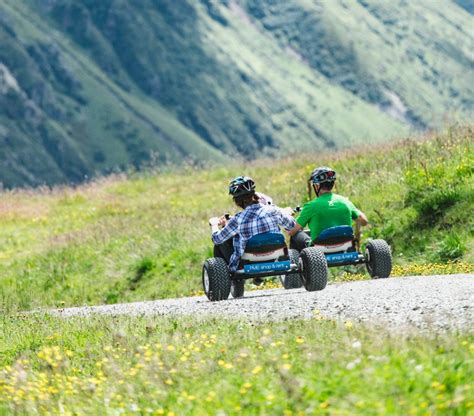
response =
{"points": [[91, 87]]}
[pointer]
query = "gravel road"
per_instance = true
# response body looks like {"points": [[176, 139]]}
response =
{"points": [[428, 303]]}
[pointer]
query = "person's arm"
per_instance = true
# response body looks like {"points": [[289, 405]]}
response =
{"points": [[295, 230], [229, 231], [285, 219], [301, 221], [362, 219], [358, 215]]}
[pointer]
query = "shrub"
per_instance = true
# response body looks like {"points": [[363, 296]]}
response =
{"points": [[143, 267], [451, 248], [432, 189]]}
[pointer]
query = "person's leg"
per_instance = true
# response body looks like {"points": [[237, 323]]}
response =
{"points": [[224, 250], [300, 241]]}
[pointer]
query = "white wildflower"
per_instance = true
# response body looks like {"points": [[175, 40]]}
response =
{"points": [[353, 364], [419, 368], [356, 345]]}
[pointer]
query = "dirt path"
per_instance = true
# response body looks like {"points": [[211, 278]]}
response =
{"points": [[434, 302]]}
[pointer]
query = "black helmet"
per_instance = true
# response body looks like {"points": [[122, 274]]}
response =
{"points": [[322, 175], [242, 185]]}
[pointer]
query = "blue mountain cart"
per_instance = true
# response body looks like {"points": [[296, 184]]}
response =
{"points": [[267, 255], [340, 247]]}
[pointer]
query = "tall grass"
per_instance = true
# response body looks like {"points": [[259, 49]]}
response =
{"points": [[169, 366]]}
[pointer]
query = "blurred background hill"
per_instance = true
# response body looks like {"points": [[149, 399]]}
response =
{"points": [[92, 87]]}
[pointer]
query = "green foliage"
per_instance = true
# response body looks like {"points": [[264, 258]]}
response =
{"points": [[435, 187], [143, 267], [452, 248], [430, 195], [125, 365]]}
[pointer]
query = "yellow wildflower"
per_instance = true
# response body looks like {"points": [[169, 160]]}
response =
{"points": [[257, 370]]}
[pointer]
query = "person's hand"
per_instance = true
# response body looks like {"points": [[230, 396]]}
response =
{"points": [[288, 211], [214, 221], [222, 221]]}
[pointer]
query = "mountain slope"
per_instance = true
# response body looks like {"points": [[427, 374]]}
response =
{"points": [[409, 59], [77, 119], [92, 87]]}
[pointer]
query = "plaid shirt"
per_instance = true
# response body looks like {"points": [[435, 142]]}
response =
{"points": [[253, 220]]}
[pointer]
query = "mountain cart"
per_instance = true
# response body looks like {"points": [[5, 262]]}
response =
{"points": [[267, 255], [341, 248]]}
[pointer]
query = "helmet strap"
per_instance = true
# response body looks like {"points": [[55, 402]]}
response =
{"points": [[317, 191]]}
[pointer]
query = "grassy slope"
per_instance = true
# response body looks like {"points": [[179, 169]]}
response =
{"points": [[146, 237], [391, 49], [306, 111], [137, 238], [124, 127], [159, 366], [131, 83]]}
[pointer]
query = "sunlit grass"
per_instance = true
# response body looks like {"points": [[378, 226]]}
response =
{"points": [[145, 236], [188, 366]]}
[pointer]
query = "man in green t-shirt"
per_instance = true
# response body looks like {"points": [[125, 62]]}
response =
{"points": [[326, 210]]}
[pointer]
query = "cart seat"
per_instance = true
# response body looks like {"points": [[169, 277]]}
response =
{"points": [[335, 235], [264, 247], [335, 239], [265, 242]]}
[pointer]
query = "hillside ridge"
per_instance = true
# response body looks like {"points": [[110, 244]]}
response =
{"points": [[91, 88]]}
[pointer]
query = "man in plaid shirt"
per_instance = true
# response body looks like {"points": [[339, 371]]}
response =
{"points": [[255, 218]]}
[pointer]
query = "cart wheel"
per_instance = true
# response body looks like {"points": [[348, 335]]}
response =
{"points": [[216, 279], [378, 259], [292, 280], [314, 269], [237, 288]]}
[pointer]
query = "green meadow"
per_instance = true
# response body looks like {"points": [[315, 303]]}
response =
{"points": [[167, 366], [144, 236]]}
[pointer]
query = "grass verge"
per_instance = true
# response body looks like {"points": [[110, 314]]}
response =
{"points": [[173, 366]]}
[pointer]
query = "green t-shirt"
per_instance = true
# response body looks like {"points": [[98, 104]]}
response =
{"points": [[329, 210]]}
